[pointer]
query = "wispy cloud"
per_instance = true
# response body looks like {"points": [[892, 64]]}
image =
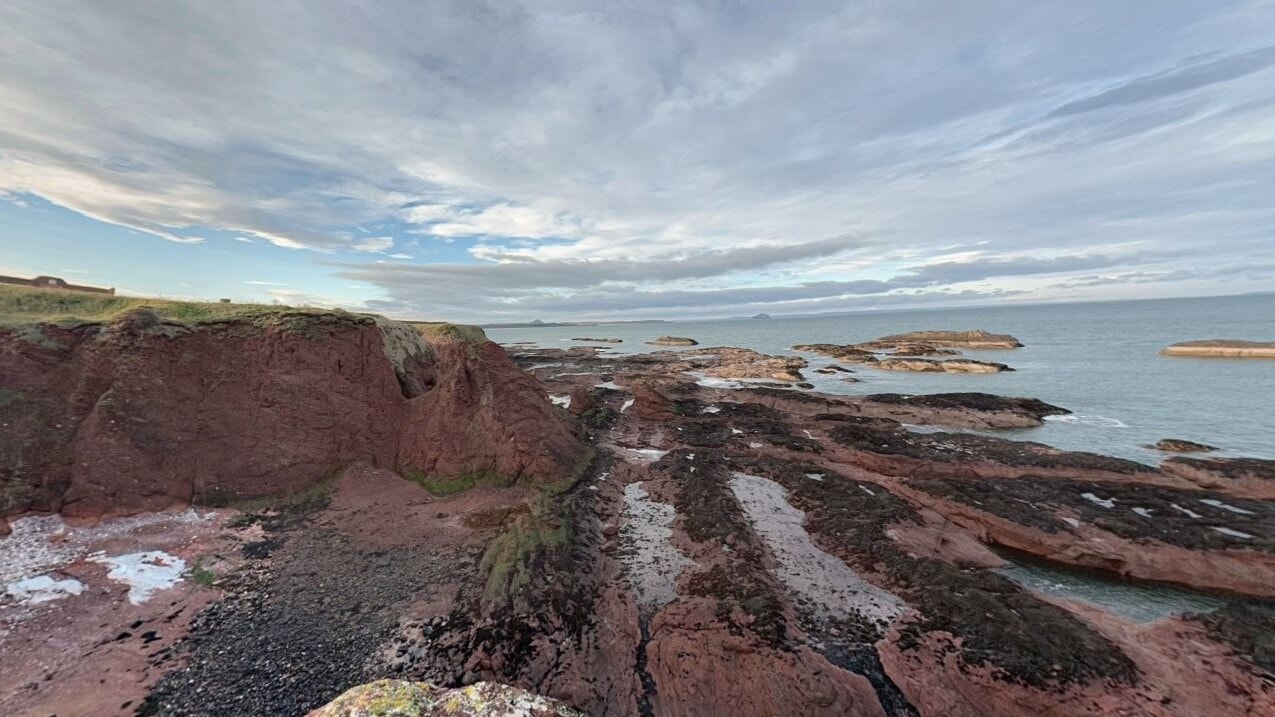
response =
{"points": [[373, 245]]}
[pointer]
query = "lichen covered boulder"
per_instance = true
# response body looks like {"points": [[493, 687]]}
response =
{"points": [[399, 698]]}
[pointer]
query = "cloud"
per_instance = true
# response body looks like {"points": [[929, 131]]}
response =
{"points": [[509, 289], [373, 244], [531, 157], [516, 271], [1173, 81]]}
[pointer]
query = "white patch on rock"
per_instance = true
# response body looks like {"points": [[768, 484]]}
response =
{"points": [[628, 403], [564, 401], [644, 455], [828, 585], [1072, 522], [143, 573], [651, 561], [867, 490], [1143, 512], [40, 544], [1224, 506], [735, 431], [808, 434], [712, 409], [815, 476], [1232, 533], [1104, 502], [42, 588], [1099, 421], [611, 385], [710, 382], [1185, 511], [754, 445]]}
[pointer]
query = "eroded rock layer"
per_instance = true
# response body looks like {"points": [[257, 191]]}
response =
{"points": [[145, 413]]}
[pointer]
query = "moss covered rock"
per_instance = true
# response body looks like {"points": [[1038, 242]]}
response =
{"points": [[398, 698]]}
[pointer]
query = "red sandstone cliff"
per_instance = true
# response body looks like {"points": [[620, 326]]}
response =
{"points": [[145, 413]]}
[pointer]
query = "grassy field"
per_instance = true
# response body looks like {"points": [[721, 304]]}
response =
{"points": [[25, 306]]}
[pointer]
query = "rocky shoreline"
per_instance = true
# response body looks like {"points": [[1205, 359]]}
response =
{"points": [[921, 351], [707, 541]]}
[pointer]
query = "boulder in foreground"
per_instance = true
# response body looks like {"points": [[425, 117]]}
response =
{"points": [[673, 341], [399, 698], [1221, 348]]}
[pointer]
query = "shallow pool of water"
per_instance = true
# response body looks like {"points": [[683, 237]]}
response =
{"points": [[1132, 600]]}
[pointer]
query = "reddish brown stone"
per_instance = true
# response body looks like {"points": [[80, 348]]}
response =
{"points": [[144, 414]]}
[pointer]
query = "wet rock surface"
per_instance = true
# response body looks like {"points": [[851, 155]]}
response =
{"points": [[1245, 477], [1179, 445], [1198, 520], [890, 449], [941, 365]]}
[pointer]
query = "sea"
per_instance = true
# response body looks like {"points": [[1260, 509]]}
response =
{"points": [[1100, 360]]}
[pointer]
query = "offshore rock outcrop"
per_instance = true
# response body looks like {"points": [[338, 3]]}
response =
{"points": [[1179, 445], [144, 413], [978, 339], [902, 354], [1221, 348], [922, 365], [673, 341]]}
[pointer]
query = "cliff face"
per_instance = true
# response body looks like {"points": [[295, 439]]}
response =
{"points": [[143, 413]]}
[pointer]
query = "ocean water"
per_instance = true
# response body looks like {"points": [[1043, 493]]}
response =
{"points": [[1100, 360]]}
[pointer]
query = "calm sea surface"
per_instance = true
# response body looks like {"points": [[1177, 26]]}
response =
{"points": [[1100, 360]]}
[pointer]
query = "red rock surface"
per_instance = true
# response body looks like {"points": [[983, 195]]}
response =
{"points": [[1243, 477], [1245, 572], [144, 414], [702, 667], [1182, 674]]}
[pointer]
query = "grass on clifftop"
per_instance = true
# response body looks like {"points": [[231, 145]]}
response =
{"points": [[438, 331], [23, 306]]}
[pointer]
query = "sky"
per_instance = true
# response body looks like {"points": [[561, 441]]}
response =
{"points": [[511, 161]]}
